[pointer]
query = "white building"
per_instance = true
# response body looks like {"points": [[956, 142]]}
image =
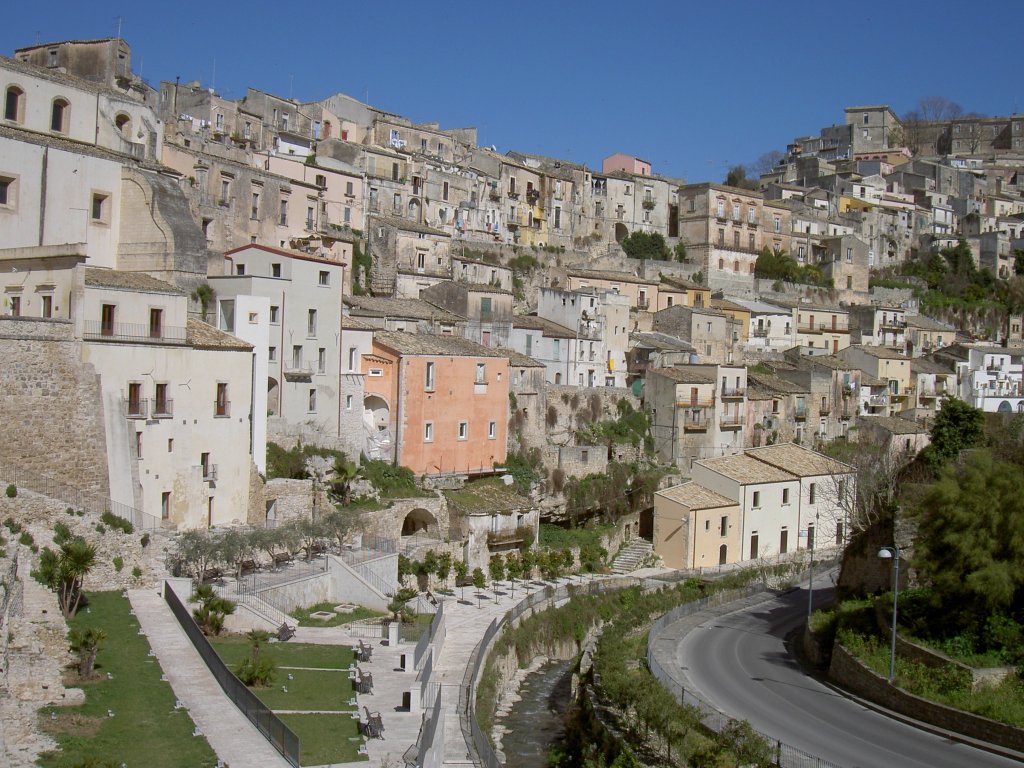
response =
{"points": [[771, 326], [602, 324]]}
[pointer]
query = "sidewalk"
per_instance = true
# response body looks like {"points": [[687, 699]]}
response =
{"points": [[235, 740]]}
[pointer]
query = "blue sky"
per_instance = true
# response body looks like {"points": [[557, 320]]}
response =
{"points": [[692, 87]]}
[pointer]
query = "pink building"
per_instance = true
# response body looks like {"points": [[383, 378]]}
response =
{"points": [[627, 163]]}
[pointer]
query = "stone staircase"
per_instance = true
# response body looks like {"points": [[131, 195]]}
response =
{"points": [[629, 559]]}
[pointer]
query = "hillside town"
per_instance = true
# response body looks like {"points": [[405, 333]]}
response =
{"points": [[198, 290]]}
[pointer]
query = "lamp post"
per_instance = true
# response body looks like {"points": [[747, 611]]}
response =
{"points": [[893, 553], [811, 530]]}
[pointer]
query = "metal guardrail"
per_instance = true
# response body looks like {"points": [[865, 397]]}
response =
{"points": [[76, 498], [786, 755], [280, 736], [431, 745]]}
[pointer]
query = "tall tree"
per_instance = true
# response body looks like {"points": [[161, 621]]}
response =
{"points": [[957, 427]]}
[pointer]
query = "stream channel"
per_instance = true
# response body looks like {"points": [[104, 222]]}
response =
{"points": [[537, 721]]}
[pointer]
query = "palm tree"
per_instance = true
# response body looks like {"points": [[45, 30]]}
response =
{"points": [[203, 293], [86, 643], [339, 487], [75, 560], [212, 610]]}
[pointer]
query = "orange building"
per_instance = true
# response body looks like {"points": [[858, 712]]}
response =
{"points": [[444, 398]]}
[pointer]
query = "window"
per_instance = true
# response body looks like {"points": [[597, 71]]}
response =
{"points": [[59, 112], [311, 323], [849, 255], [272, 354], [136, 405], [429, 383], [481, 373], [247, 132], [47, 306], [349, 189], [324, 278], [275, 270], [463, 430], [100, 208], [138, 445], [757, 500], [353, 358], [753, 545], [225, 190], [428, 432], [275, 315], [811, 492], [165, 505], [161, 404], [723, 525], [222, 406], [492, 430], [444, 191], [736, 211], [255, 212], [283, 220], [720, 209], [777, 223], [14, 104], [156, 323], [297, 357], [7, 190], [107, 312], [785, 495], [312, 400], [783, 541], [348, 402], [485, 307], [321, 360]]}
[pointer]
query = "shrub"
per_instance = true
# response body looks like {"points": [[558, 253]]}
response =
{"points": [[61, 533], [118, 562], [144, 541], [137, 572], [101, 529], [26, 539], [69, 511], [12, 491], [12, 525], [117, 523]]}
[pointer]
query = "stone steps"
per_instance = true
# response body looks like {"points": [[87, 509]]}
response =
{"points": [[629, 559]]}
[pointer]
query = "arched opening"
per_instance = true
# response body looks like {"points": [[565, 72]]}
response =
{"points": [[14, 104], [327, 129], [646, 528], [376, 428], [1005, 407], [376, 409], [414, 210], [621, 232], [558, 378], [419, 521], [723, 554], [124, 125], [273, 390], [59, 112]]}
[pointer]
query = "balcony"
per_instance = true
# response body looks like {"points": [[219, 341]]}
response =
{"points": [[504, 538], [599, 191], [221, 408], [696, 420], [878, 401], [586, 330], [800, 414], [137, 409], [643, 303], [825, 409], [822, 328], [209, 473], [163, 409], [97, 330], [760, 333], [513, 194], [298, 371], [513, 222], [532, 196], [731, 421], [893, 325], [733, 393], [901, 394]]}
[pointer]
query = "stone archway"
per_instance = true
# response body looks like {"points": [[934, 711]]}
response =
{"points": [[273, 390], [621, 232], [414, 210], [419, 521], [1005, 407]]}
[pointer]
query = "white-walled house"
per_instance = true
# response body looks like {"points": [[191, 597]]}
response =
{"points": [[303, 351], [602, 323]]}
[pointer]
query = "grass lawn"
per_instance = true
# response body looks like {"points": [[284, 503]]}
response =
{"points": [[303, 617], [234, 648], [142, 704], [309, 689], [326, 739]]}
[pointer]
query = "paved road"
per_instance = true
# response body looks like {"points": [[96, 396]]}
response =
{"points": [[740, 664]]}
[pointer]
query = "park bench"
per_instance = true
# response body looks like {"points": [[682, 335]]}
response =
{"points": [[364, 652], [212, 574], [281, 558], [285, 632], [374, 724]]}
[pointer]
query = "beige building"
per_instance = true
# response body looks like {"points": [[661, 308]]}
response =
{"points": [[695, 527], [888, 366], [674, 291], [642, 293]]}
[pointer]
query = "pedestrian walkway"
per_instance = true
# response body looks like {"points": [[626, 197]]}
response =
{"points": [[235, 740]]}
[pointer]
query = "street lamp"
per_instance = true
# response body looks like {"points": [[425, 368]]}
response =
{"points": [[811, 530], [893, 553]]}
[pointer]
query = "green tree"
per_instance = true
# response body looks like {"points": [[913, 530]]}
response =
{"points": [[958, 426], [970, 543], [339, 483], [444, 566], [1018, 261], [203, 293], [212, 609], [479, 582], [461, 571], [646, 245], [256, 669], [737, 177], [65, 570], [85, 642], [497, 569]]}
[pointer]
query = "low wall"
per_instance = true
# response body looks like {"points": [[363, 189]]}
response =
{"points": [[301, 593], [851, 674]]}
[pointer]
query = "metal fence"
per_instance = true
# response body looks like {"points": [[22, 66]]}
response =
{"points": [[431, 746], [277, 733], [75, 497], [786, 756]]}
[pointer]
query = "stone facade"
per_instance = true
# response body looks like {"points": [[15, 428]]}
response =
{"points": [[51, 409]]}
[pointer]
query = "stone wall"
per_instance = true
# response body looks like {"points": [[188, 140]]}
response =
{"points": [[569, 408], [292, 499], [848, 672], [51, 408]]}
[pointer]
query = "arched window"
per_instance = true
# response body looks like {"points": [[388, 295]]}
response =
{"points": [[721, 263], [59, 113], [124, 125], [14, 104], [736, 265]]}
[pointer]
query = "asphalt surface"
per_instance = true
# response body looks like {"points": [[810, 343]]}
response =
{"points": [[739, 663]]}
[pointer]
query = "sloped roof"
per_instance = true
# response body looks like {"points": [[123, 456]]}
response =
{"points": [[746, 469], [610, 276], [411, 309], [519, 360], [433, 344], [683, 375], [203, 336], [696, 496], [128, 281], [545, 326], [772, 383], [799, 460], [894, 425]]}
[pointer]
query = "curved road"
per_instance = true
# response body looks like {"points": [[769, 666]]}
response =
{"points": [[739, 663]]}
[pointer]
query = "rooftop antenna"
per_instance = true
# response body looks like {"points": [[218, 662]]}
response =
{"points": [[119, 28], [291, 84], [213, 83]]}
